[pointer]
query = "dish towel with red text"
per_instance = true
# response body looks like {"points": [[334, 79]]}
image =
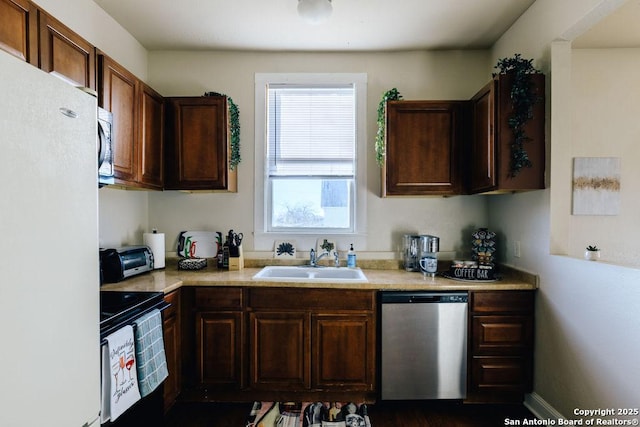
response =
{"points": [[119, 376]]}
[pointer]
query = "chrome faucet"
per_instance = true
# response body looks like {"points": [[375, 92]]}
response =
{"points": [[313, 260]]}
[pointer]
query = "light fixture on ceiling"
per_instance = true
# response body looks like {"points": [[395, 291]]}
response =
{"points": [[314, 11]]}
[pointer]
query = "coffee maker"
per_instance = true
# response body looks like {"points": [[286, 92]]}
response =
{"points": [[411, 254], [428, 248]]}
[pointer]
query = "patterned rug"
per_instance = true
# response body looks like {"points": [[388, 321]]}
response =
{"points": [[308, 414]]}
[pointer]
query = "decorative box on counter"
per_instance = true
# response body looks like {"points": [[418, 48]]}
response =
{"points": [[192, 263], [471, 270]]}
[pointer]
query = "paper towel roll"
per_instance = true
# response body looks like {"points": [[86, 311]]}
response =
{"points": [[155, 241]]}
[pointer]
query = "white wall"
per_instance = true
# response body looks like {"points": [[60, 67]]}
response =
{"points": [[417, 75], [586, 313], [605, 124]]}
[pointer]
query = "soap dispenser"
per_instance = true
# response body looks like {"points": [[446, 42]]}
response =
{"points": [[351, 257]]}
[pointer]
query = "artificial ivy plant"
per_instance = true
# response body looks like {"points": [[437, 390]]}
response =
{"points": [[523, 98], [390, 95], [234, 129]]}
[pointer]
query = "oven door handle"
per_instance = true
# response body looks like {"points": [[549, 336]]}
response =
{"points": [[162, 306]]}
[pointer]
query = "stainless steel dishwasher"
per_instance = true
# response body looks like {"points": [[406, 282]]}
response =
{"points": [[423, 338]]}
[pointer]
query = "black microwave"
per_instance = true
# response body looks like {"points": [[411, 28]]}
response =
{"points": [[105, 147]]}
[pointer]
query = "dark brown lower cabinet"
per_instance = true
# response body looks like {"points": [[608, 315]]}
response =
{"points": [[219, 329], [280, 346], [171, 327], [269, 343], [312, 339], [500, 345], [218, 358], [276, 343], [343, 351]]}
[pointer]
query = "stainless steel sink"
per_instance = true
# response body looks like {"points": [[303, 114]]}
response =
{"points": [[311, 274]]}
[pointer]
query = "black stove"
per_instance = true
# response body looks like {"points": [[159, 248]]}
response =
{"points": [[119, 308]]}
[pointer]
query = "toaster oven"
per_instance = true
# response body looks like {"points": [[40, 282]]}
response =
{"points": [[121, 263]]}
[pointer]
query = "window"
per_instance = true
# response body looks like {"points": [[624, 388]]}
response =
{"points": [[309, 142], [310, 157]]}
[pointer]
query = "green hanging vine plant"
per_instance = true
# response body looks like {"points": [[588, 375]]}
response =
{"points": [[234, 129], [523, 98], [390, 95]]}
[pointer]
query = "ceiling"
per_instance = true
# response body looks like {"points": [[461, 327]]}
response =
{"points": [[618, 30], [355, 25]]}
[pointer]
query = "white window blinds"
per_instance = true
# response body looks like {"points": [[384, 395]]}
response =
{"points": [[311, 131]]}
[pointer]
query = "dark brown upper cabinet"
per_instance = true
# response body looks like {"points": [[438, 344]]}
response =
{"points": [[19, 29], [117, 93], [138, 131], [151, 137], [490, 153], [197, 144], [66, 54], [423, 148]]}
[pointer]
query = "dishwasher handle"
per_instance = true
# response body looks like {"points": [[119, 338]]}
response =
{"points": [[424, 298]]}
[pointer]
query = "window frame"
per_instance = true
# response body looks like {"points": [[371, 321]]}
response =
{"points": [[263, 237]]}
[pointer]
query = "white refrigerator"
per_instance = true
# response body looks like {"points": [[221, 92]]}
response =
{"points": [[49, 267]]}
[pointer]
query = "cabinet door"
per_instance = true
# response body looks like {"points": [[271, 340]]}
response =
{"points": [[343, 353], [196, 157], [171, 326], [527, 178], [151, 134], [483, 175], [423, 148], [280, 350], [66, 54], [219, 348], [117, 93], [19, 29], [490, 154]]}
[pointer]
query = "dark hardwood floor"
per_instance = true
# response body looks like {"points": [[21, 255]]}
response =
{"points": [[404, 414]]}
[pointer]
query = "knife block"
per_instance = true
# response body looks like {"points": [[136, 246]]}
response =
{"points": [[237, 263]]}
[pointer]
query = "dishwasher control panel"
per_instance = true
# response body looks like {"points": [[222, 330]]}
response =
{"points": [[399, 297]]}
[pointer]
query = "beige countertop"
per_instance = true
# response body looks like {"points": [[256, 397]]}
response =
{"points": [[170, 278]]}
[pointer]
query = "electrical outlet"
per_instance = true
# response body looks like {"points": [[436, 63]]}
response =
{"points": [[516, 249]]}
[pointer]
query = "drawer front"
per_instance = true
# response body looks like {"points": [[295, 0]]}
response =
{"points": [[311, 299], [218, 298], [500, 374], [502, 302], [498, 335]]}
